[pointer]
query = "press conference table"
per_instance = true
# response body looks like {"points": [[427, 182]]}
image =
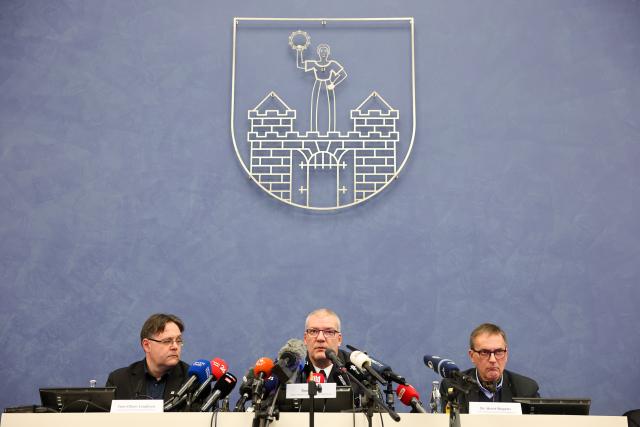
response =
{"points": [[231, 419]]}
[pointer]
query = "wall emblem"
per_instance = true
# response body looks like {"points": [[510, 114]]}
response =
{"points": [[291, 128]]}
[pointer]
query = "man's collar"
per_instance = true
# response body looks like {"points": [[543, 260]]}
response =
{"points": [[486, 388], [150, 375], [326, 370]]}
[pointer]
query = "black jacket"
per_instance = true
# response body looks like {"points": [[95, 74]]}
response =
{"points": [[340, 378], [130, 381], [335, 376], [513, 385]]}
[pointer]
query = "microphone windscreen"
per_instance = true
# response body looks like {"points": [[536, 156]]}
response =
{"points": [[201, 368], [406, 393], [271, 384], [317, 377], [225, 384], [447, 368], [294, 348], [356, 372], [218, 367], [444, 367], [247, 381], [264, 365], [359, 359]]}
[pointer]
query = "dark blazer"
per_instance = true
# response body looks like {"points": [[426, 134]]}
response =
{"points": [[513, 385], [130, 381], [341, 379], [334, 377]]}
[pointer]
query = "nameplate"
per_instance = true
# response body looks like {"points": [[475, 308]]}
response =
{"points": [[301, 391], [137, 406], [495, 408]]}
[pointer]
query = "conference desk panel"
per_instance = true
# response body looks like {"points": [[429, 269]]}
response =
{"points": [[231, 419], [224, 419], [541, 420]]}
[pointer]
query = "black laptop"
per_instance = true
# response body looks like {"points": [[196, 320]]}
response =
{"points": [[554, 406], [78, 399]]}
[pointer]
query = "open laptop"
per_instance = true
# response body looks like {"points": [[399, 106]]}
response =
{"points": [[78, 399], [556, 406]]}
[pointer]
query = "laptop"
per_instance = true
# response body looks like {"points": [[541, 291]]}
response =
{"points": [[554, 406], [78, 399]]}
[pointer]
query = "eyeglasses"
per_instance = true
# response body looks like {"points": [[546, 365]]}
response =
{"points": [[328, 333], [486, 354], [168, 341]]}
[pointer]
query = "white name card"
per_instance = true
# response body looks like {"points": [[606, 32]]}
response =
{"points": [[301, 391], [495, 408], [137, 406]]}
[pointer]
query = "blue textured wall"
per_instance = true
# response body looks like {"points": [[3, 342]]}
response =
{"points": [[120, 195]]}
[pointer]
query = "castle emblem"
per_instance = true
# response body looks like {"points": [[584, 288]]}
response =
{"points": [[322, 167]]}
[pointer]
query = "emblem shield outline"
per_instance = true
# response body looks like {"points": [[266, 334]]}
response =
{"points": [[378, 187]]}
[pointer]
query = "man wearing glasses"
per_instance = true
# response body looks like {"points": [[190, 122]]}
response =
{"points": [[488, 351], [161, 371], [322, 332]]}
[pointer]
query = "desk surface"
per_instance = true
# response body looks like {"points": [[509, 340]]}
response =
{"points": [[541, 420], [230, 419]]}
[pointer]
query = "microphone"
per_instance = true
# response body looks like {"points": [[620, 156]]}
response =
{"points": [[263, 368], [317, 377], [315, 381], [245, 390], [218, 368], [356, 372], [199, 371], [362, 361], [410, 397], [447, 368], [220, 390], [331, 355], [290, 359], [383, 369], [270, 384]]}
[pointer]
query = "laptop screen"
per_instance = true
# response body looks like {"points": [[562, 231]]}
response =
{"points": [[78, 399], [558, 406]]}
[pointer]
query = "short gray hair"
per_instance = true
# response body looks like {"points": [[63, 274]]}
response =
{"points": [[325, 312], [489, 329]]}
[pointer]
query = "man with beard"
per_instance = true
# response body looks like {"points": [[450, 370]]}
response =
{"points": [[161, 371]]}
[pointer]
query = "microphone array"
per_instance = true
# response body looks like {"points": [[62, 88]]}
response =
{"points": [[202, 373], [208, 381], [262, 382]]}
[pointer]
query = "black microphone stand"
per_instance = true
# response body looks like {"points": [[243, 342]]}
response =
{"points": [[189, 402], [313, 390], [372, 399], [272, 413], [241, 402], [257, 390], [174, 403], [388, 392], [264, 410], [457, 389]]}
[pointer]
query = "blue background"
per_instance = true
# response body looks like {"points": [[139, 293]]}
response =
{"points": [[121, 195]]}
